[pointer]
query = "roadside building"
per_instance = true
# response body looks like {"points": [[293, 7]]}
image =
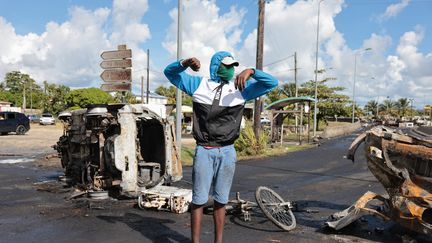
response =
{"points": [[154, 99], [7, 106]]}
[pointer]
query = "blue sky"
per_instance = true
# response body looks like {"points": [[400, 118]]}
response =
{"points": [[60, 41]]}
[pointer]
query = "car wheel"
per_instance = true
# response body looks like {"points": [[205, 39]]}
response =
{"points": [[21, 130]]}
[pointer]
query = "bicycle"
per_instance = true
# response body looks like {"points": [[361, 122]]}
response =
{"points": [[271, 204], [275, 208]]}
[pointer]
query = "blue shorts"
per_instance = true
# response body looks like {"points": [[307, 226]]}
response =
{"points": [[213, 169]]}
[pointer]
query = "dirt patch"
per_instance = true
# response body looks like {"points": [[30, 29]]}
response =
{"points": [[34, 147], [37, 141]]}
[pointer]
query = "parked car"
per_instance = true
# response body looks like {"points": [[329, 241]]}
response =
{"points": [[34, 118], [265, 121], [13, 122], [47, 119]]}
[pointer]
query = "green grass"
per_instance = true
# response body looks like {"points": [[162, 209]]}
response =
{"points": [[187, 152]]}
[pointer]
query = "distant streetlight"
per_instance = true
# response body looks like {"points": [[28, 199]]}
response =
{"points": [[355, 74], [316, 72], [24, 96], [412, 104]]}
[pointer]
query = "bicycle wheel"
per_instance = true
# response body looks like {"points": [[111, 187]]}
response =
{"points": [[270, 203]]}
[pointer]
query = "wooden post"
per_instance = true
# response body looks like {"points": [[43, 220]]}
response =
{"points": [[259, 65]]}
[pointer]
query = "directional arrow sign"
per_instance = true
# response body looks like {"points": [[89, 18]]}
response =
{"points": [[110, 87], [125, 63], [116, 75], [116, 54]]}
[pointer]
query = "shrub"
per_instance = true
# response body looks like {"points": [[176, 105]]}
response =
{"points": [[247, 145]]}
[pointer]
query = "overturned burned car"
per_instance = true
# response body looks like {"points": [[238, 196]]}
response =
{"points": [[401, 160], [119, 149]]}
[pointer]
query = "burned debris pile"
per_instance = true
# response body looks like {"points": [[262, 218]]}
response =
{"points": [[401, 160]]}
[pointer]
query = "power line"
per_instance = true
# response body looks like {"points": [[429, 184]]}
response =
{"points": [[280, 60], [286, 70]]}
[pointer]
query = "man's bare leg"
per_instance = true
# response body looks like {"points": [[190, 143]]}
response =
{"points": [[196, 218], [219, 221]]}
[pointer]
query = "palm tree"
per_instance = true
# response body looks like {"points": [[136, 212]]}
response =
{"points": [[402, 105], [372, 106], [388, 106]]}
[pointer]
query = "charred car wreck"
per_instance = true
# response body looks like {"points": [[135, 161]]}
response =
{"points": [[123, 150], [401, 160]]}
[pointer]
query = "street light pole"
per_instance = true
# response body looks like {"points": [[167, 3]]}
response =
{"points": [[412, 103], [316, 72], [354, 80], [355, 70]]}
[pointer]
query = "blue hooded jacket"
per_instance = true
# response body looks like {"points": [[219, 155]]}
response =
{"points": [[218, 125]]}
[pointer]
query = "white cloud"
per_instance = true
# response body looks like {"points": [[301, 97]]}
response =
{"points": [[69, 52], [205, 31], [292, 28], [394, 9], [396, 66]]}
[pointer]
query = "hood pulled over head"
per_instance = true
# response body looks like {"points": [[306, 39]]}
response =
{"points": [[215, 62]]}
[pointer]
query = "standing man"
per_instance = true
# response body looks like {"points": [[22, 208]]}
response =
{"points": [[218, 104]]}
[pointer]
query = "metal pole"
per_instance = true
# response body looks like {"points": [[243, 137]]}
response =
{"points": [[31, 98], [179, 92], [301, 123], [148, 76], [142, 90], [24, 97], [412, 104], [295, 74], [308, 126], [377, 107], [316, 72], [354, 81], [296, 87], [259, 65]]}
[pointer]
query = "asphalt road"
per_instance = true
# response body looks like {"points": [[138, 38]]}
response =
{"points": [[318, 178]]}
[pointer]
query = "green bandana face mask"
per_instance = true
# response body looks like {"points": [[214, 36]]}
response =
{"points": [[226, 73]]}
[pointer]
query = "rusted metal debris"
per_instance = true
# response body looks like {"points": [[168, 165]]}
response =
{"points": [[124, 149], [401, 160]]}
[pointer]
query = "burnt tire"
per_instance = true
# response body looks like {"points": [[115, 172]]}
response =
{"points": [[269, 202], [20, 130]]}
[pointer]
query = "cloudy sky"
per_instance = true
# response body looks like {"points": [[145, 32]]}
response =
{"points": [[61, 41]]}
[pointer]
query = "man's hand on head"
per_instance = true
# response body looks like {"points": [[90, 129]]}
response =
{"points": [[240, 81], [193, 63]]}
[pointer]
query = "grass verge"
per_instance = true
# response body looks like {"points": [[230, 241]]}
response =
{"points": [[187, 152]]}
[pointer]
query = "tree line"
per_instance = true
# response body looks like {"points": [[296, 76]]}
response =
{"points": [[399, 108], [18, 88]]}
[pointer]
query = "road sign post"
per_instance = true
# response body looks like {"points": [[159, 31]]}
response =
{"points": [[113, 75], [117, 74], [116, 86]]}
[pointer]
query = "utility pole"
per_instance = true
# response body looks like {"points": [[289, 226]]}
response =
{"points": [[295, 74], [354, 80], [148, 76], [24, 97], [179, 92], [31, 97], [316, 71], [259, 65], [353, 102], [296, 87], [412, 104], [142, 89]]}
